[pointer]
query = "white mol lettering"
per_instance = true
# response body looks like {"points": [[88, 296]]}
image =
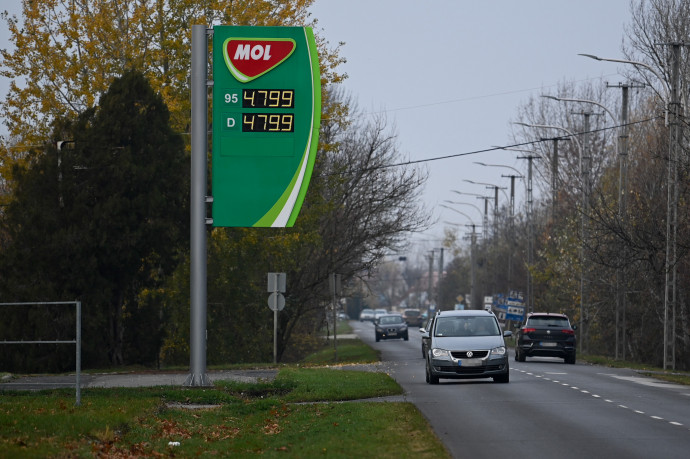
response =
{"points": [[257, 52]]}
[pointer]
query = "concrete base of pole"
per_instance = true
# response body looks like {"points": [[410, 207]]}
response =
{"points": [[197, 380]]}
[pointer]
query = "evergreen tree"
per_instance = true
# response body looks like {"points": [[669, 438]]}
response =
{"points": [[101, 219]]}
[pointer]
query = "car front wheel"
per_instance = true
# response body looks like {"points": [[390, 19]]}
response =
{"points": [[430, 378]]}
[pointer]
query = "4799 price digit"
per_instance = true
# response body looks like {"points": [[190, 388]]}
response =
{"points": [[268, 122]]}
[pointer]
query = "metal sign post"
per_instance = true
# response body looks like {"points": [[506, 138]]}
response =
{"points": [[335, 282], [266, 117], [276, 301], [197, 257]]}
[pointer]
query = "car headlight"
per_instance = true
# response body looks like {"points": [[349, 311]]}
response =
{"points": [[403, 328], [501, 350], [440, 353]]}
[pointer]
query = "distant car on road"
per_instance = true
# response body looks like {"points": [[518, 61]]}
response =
{"points": [[413, 317], [546, 335], [467, 344], [366, 314], [378, 313], [391, 326]]}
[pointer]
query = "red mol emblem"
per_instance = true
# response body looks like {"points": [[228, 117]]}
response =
{"points": [[249, 58]]}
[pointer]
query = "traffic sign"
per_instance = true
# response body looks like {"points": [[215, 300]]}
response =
{"points": [[266, 116], [276, 301]]}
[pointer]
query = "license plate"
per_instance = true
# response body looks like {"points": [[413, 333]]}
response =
{"points": [[392, 333], [548, 344], [469, 363]]}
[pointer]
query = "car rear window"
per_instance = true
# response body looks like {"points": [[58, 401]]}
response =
{"points": [[391, 320], [548, 321], [412, 313]]}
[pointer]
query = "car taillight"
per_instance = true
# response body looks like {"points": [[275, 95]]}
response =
{"points": [[568, 331], [528, 330]]}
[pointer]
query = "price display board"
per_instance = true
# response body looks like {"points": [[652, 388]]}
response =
{"points": [[266, 115]]}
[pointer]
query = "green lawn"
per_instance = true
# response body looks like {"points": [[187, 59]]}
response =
{"points": [[305, 412]]}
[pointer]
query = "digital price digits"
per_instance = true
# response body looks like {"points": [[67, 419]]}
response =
{"points": [[268, 98], [268, 122]]}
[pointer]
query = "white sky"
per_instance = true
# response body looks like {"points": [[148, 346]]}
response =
{"points": [[450, 74]]}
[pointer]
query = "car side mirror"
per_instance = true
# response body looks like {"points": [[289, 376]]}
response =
{"points": [[507, 334]]}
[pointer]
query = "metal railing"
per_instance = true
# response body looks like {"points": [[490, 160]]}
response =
{"points": [[76, 341]]}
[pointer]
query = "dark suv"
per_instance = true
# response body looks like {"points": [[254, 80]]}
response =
{"points": [[546, 335]]}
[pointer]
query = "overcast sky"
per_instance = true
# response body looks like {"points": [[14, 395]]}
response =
{"points": [[450, 75]]}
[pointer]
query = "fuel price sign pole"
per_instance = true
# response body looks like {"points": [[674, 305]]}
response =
{"points": [[266, 117]]}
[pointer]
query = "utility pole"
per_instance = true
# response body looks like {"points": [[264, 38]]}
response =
{"points": [[473, 240], [621, 297], [585, 168], [431, 282], [530, 233], [440, 279], [554, 177], [512, 225], [675, 110]]}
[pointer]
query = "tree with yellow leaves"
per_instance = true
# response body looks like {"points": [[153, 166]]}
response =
{"points": [[67, 53]]}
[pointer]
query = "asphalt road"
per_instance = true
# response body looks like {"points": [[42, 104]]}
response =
{"points": [[548, 410]]}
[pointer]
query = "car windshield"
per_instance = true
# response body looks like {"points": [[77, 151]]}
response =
{"points": [[466, 326], [412, 313], [548, 321], [387, 320]]}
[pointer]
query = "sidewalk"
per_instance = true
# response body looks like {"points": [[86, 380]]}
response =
{"points": [[148, 379]]}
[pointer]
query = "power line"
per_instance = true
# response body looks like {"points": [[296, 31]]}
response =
{"points": [[467, 99]]}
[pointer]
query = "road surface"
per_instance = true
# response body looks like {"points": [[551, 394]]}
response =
{"points": [[549, 409]]}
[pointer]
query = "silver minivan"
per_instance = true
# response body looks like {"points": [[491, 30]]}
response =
{"points": [[466, 344]]}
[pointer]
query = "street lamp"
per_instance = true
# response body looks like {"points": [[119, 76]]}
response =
{"points": [[512, 212], [463, 204], [593, 102], [670, 99], [512, 183], [622, 186], [485, 218], [584, 201], [489, 185], [664, 97], [473, 240]]}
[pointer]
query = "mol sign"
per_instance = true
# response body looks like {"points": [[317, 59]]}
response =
{"points": [[266, 114]]}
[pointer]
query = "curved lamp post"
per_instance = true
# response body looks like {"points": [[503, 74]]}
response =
{"points": [[665, 97], [584, 201], [485, 215], [473, 240], [670, 98], [622, 186]]}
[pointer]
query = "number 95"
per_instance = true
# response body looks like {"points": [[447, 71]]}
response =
{"points": [[231, 98]]}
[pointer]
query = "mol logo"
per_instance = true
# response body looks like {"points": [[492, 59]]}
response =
{"points": [[249, 58]]}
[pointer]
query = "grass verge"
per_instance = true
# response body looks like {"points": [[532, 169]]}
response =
{"points": [[302, 413]]}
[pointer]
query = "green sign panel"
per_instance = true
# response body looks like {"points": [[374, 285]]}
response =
{"points": [[266, 115]]}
